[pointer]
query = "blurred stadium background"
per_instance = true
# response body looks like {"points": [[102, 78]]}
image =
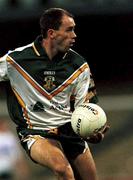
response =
{"points": [[105, 38]]}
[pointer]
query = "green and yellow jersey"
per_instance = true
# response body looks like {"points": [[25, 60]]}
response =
{"points": [[43, 89]]}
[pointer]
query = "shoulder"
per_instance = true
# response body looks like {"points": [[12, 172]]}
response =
{"points": [[23, 51], [76, 59], [76, 55]]}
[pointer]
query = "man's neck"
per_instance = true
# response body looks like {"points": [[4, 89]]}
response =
{"points": [[50, 50]]}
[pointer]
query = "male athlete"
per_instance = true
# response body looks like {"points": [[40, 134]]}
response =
{"points": [[48, 80]]}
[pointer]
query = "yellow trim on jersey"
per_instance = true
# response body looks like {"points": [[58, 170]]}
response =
{"points": [[36, 51], [22, 104], [38, 88], [28, 78], [70, 80]]}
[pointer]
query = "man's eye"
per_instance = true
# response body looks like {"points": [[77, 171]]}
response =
{"points": [[70, 30]]}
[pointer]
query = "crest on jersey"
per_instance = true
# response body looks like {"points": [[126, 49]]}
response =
{"points": [[49, 83]]}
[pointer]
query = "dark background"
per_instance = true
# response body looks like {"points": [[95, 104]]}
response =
{"points": [[105, 39]]}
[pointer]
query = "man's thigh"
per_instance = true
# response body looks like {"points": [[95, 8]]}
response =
{"points": [[48, 152]]}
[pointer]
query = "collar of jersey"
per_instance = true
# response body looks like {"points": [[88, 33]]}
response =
{"points": [[39, 50]]}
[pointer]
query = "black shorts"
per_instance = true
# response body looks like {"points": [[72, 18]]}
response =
{"points": [[71, 143]]}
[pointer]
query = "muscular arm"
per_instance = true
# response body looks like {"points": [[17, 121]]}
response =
{"points": [[85, 90]]}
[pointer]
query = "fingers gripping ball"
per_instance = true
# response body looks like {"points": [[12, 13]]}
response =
{"points": [[88, 119]]}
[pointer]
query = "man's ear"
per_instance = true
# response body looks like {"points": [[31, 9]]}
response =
{"points": [[51, 33]]}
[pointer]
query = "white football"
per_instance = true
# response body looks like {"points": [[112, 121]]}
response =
{"points": [[87, 119]]}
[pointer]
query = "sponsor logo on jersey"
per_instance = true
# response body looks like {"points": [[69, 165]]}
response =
{"points": [[49, 73]]}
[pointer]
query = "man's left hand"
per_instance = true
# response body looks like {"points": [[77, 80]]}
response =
{"points": [[98, 137]]}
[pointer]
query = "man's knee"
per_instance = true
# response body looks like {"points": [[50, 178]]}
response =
{"points": [[64, 171]]}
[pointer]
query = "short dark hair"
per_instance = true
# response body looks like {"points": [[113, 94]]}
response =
{"points": [[51, 19]]}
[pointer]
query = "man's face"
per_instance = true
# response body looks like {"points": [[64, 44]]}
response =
{"points": [[65, 36]]}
